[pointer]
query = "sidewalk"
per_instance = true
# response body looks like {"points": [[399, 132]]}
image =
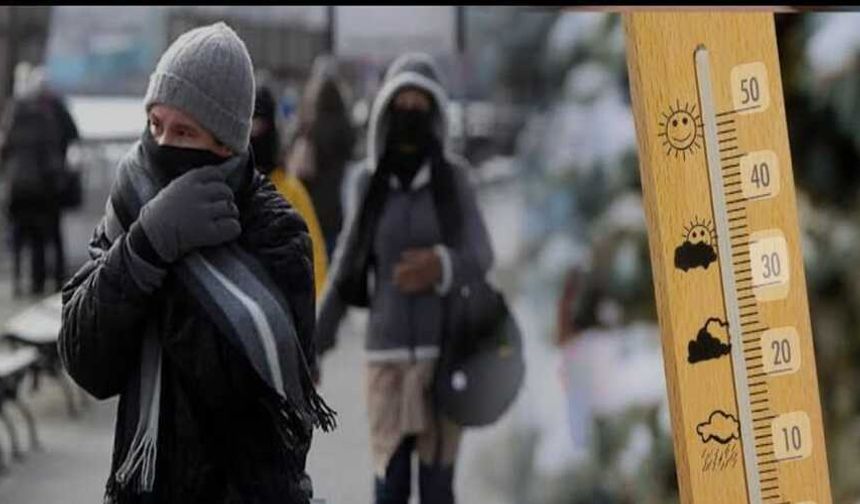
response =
{"points": [[74, 462]]}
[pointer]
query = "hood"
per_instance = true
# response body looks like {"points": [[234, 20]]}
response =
{"points": [[323, 72], [409, 70]]}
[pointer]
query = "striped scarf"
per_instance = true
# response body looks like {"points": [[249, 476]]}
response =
{"points": [[236, 292]]}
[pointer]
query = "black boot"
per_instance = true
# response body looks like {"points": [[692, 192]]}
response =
{"points": [[37, 262], [395, 487], [17, 250], [436, 484]]}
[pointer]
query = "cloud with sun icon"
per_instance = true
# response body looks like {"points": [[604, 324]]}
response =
{"points": [[698, 250], [681, 130]]}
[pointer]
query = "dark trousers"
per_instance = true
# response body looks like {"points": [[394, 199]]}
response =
{"points": [[435, 482], [59, 250], [38, 232], [330, 244], [33, 235]]}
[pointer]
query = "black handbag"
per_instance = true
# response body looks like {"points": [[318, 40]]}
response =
{"points": [[481, 368]]}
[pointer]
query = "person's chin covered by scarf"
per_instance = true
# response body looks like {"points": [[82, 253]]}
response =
{"points": [[176, 143], [197, 316], [409, 144]]}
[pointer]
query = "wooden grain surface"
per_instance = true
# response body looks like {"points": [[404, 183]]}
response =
{"points": [[677, 195]]}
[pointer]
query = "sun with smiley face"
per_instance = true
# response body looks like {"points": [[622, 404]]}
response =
{"points": [[700, 232], [681, 130], [698, 250]]}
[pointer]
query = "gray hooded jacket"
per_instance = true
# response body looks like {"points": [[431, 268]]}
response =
{"points": [[405, 326]]}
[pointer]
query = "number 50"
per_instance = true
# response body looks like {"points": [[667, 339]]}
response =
{"points": [[750, 89]]}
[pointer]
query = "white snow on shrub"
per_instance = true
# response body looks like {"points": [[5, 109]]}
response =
{"points": [[578, 136], [572, 29], [835, 42], [587, 81]]}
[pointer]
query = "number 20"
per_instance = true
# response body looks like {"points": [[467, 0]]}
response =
{"points": [[781, 352]]}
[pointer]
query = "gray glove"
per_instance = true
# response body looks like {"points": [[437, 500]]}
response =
{"points": [[194, 210]]}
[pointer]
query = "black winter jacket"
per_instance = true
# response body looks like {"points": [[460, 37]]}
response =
{"points": [[217, 442]]}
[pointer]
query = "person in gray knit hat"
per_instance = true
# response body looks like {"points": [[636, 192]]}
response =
{"points": [[197, 304], [207, 73]]}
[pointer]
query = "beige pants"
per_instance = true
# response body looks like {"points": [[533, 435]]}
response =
{"points": [[398, 405]]}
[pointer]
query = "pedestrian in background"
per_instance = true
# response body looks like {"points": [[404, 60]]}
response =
{"points": [[266, 145], [62, 125], [197, 306], [31, 160], [414, 235], [323, 145]]}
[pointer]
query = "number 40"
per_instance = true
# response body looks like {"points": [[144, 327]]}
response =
{"points": [[760, 175]]}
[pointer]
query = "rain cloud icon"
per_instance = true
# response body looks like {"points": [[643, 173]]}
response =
{"points": [[721, 427]]}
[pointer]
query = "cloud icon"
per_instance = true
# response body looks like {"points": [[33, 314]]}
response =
{"points": [[720, 427], [708, 344], [694, 255], [697, 249]]}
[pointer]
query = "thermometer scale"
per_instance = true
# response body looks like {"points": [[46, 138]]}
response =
{"points": [[725, 248]]}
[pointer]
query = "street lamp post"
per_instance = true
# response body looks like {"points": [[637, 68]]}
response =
{"points": [[461, 55], [11, 52], [331, 17]]}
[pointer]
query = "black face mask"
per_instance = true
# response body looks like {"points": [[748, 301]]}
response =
{"points": [[175, 161], [410, 130], [265, 147]]}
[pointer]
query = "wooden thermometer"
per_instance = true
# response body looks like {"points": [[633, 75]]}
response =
{"points": [[727, 264]]}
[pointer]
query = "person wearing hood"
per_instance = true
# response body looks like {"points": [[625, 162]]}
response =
{"points": [[323, 146], [197, 305], [413, 234], [266, 146]]}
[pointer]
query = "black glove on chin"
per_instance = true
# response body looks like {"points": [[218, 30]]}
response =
{"points": [[194, 210]]}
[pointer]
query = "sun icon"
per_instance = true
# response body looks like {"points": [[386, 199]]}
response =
{"points": [[700, 232], [699, 248], [681, 130]]}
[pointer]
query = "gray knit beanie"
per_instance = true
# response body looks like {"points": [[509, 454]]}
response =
{"points": [[207, 73]]}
